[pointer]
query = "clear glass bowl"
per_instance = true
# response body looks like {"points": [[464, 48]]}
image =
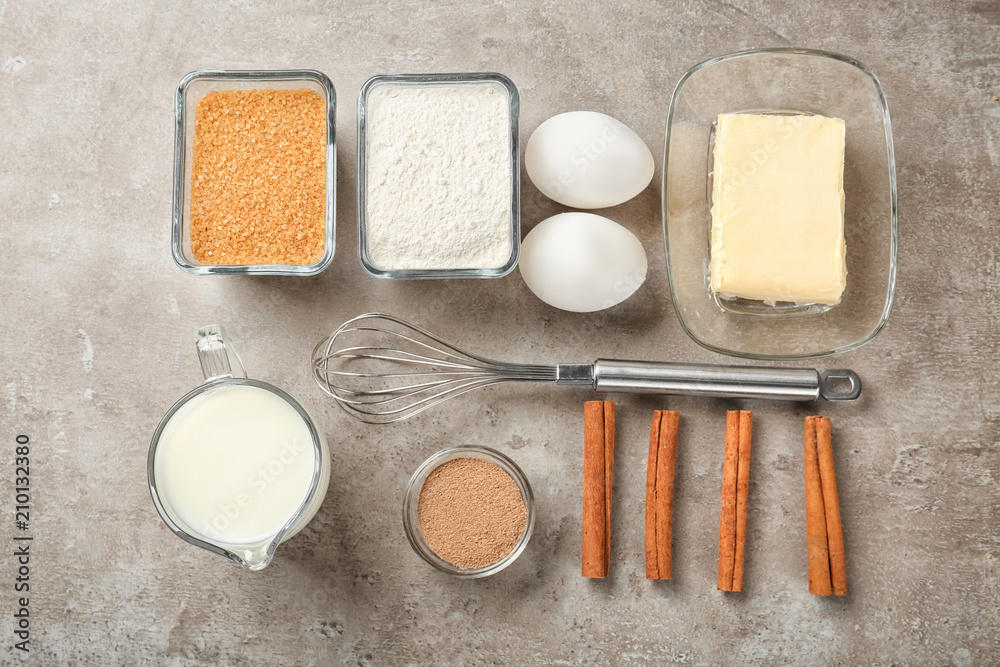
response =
{"points": [[411, 518], [498, 82], [190, 90], [789, 81]]}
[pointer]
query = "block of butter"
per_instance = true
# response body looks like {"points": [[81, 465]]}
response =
{"points": [[778, 208]]}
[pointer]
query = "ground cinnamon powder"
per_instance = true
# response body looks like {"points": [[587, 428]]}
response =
{"points": [[258, 184], [471, 512]]}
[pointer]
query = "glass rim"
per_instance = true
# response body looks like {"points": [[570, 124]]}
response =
{"points": [[893, 198]]}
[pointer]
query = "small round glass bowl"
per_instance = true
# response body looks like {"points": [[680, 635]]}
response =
{"points": [[411, 519]]}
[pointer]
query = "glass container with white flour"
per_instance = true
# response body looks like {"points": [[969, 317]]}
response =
{"points": [[236, 466], [438, 176]]}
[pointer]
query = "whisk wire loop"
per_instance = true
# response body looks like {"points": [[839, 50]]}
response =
{"points": [[401, 369]]}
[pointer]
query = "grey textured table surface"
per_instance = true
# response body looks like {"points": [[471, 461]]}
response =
{"points": [[97, 325]]}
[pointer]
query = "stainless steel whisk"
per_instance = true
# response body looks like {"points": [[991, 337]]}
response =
{"points": [[381, 369]]}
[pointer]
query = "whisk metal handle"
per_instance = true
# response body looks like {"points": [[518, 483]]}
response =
{"points": [[646, 377]]}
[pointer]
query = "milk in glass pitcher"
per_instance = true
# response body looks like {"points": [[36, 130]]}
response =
{"points": [[236, 466]]}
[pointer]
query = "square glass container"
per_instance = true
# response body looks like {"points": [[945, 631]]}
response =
{"points": [[411, 515], [498, 82], [190, 90], [787, 81]]}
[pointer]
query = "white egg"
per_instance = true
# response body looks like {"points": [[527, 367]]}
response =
{"points": [[582, 262], [586, 159]]}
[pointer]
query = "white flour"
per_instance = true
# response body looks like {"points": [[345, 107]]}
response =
{"points": [[438, 177]]}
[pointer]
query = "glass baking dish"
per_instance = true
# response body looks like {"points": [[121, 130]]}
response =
{"points": [[787, 81], [190, 90], [493, 80]]}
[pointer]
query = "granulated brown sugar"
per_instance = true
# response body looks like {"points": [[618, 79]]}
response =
{"points": [[471, 512], [258, 184]]}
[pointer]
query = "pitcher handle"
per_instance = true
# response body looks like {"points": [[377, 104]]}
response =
{"points": [[217, 354]]}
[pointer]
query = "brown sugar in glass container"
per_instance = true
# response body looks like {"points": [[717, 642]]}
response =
{"points": [[411, 516], [190, 91]]}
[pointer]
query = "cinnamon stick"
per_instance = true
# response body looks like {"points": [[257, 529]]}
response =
{"points": [[735, 491], [598, 472], [660, 493], [742, 492], [824, 532]]}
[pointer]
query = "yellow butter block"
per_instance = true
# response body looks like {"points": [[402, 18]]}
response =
{"points": [[778, 208]]}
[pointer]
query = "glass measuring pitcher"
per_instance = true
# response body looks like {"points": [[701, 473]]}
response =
{"points": [[236, 466]]}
